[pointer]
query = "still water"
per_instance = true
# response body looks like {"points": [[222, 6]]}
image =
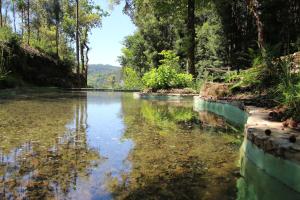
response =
{"points": [[97, 145]]}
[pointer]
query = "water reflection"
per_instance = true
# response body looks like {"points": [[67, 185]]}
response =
{"points": [[40, 157], [257, 185], [175, 157], [99, 145]]}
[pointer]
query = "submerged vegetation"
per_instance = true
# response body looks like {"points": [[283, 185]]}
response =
{"points": [[58, 144]]}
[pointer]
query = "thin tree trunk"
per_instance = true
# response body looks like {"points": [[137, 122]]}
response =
{"points": [[14, 15], [77, 39], [191, 38], [86, 61], [6, 13], [28, 22], [57, 12], [84, 43], [82, 58], [1, 24], [22, 19], [254, 6], [57, 39]]}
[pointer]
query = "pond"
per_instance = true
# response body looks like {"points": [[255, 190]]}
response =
{"points": [[99, 145]]}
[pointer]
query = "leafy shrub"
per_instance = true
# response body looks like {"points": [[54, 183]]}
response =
{"points": [[170, 59], [131, 79], [166, 77], [288, 89], [183, 80], [246, 78], [263, 74], [150, 79], [7, 36]]}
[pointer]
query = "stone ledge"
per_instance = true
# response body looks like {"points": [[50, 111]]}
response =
{"points": [[160, 96], [271, 151], [278, 143]]}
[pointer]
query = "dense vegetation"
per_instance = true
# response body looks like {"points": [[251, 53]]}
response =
{"points": [[223, 34], [247, 44], [48, 29]]}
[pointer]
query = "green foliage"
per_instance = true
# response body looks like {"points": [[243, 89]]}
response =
{"points": [[183, 80], [131, 79], [150, 79], [246, 78], [3, 60], [281, 79], [166, 116], [161, 78], [133, 53], [7, 36], [165, 77], [210, 49], [288, 88], [264, 73], [170, 59], [7, 39]]}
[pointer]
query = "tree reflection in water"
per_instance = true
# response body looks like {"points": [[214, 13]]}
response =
{"points": [[50, 149], [176, 155], [45, 158]]}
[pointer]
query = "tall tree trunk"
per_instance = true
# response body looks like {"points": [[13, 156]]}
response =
{"points": [[191, 37], [6, 14], [1, 24], [77, 39], [57, 39], [57, 12], [254, 6], [14, 15], [28, 22], [86, 64], [86, 61], [82, 58], [22, 21]]}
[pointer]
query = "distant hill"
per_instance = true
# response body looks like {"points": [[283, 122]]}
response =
{"points": [[102, 76]]}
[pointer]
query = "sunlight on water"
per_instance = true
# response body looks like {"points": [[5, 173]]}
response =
{"points": [[110, 146]]}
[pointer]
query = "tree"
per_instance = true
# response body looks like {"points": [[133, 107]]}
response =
{"points": [[90, 17], [21, 9], [1, 20], [254, 6], [13, 2], [28, 21], [134, 53], [77, 40], [191, 37], [57, 17]]}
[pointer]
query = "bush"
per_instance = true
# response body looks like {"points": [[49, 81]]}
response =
{"points": [[131, 79], [170, 59], [183, 80], [150, 79], [288, 89], [7, 36], [166, 77]]}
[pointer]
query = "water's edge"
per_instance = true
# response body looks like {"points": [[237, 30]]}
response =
{"points": [[285, 170]]}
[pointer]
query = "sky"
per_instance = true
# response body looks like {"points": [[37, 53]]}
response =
{"points": [[106, 42]]}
